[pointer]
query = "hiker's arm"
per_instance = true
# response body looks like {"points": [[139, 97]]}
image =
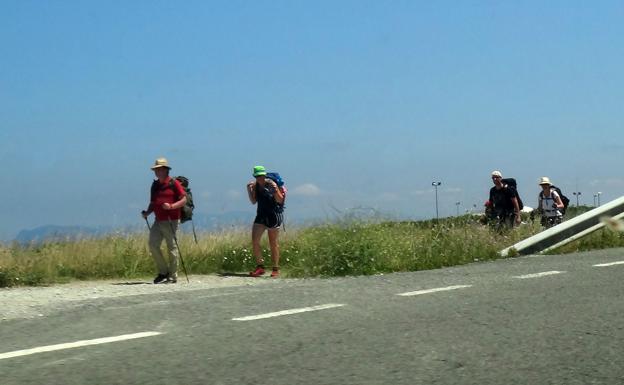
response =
{"points": [[557, 200], [516, 206], [251, 192], [180, 202], [146, 213], [150, 209], [176, 205], [278, 195]]}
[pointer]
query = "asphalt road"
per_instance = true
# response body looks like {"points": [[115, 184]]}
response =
{"points": [[497, 322]]}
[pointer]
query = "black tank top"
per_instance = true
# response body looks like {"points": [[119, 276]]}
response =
{"points": [[266, 203]]}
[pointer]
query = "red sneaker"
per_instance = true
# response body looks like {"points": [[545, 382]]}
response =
{"points": [[256, 273], [275, 274]]}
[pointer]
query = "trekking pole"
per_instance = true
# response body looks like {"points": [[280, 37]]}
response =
{"points": [[146, 222], [175, 239], [194, 235]]}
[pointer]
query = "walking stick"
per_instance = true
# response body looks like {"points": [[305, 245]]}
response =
{"points": [[148, 225], [194, 235], [175, 239]]}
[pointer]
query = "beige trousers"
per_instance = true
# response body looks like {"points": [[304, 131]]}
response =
{"points": [[165, 230]]}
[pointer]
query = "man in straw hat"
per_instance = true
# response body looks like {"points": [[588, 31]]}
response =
{"points": [[549, 203], [166, 198]]}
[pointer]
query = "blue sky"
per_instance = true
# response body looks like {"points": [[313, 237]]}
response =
{"points": [[355, 103]]}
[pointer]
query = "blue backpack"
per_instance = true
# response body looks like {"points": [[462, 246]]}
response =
{"points": [[275, 177]]}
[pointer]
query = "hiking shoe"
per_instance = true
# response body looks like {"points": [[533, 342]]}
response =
{"points": [[258, 272], [172, 279], [275, 274], [160, 278]]}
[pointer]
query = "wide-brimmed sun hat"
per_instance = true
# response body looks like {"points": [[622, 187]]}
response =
{"points": [[160, 162], [259, 171], [544, 180]]}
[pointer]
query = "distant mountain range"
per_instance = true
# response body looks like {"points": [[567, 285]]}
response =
{"points": [[64, 233], [56, 232]]}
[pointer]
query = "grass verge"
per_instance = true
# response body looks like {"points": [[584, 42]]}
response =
{"points": [[347, 247]]}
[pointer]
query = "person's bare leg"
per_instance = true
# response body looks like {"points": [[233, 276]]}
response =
{"points": [[273, 242], [256, 234]]}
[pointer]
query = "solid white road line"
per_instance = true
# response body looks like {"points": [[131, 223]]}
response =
{"points": [[543, 274], [419, 292], [76, 344], [287, 312], [609, 264]]}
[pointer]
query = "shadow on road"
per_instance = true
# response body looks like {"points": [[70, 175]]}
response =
{"points": [[226, 274], [132, 283]]}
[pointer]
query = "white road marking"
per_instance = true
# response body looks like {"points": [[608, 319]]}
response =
{"points": [[288, 312], [77, 344], [609, 264], [543, 274], [419, 292]]}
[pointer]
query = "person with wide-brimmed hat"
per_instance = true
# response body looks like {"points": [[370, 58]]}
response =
{"points": [[167, 196], [270, 200], [549, 203]]}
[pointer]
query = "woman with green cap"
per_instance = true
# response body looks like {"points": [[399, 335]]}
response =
{"points": [[270, 200]]}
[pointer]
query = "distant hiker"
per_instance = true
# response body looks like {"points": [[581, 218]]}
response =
{"points": [[167, 196], [270, 200], [549, 203], [504, 199]]}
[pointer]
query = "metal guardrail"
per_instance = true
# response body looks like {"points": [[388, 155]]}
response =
{"points": [[568, 231]]}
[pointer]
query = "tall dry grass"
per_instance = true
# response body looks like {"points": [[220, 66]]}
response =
{"points": [[347, 247]]}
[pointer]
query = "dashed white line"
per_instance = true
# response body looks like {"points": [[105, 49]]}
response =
{"points": [[609, 264], [288, 312], [419, 292], [77, 344], [537, 275]]}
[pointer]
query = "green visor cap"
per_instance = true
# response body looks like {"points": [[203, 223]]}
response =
{"points": [[259, 171]]}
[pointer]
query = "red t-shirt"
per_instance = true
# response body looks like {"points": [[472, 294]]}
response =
{"points": [[164, 193]]}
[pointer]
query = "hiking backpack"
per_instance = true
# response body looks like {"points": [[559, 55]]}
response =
{"points": [[275, 177], [511, 182], [564, 199], [186, 211]]}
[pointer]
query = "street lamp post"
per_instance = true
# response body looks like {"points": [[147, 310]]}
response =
{"points": [[578, 194], [599, 197], [436, 184], [595, 196], [457, 206]]}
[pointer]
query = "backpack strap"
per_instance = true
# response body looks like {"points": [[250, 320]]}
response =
{"points": [[170, 185], [176, 195], [153, 190]]}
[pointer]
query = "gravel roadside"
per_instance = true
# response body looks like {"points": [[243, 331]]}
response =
{"points": [[33, 302]]}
